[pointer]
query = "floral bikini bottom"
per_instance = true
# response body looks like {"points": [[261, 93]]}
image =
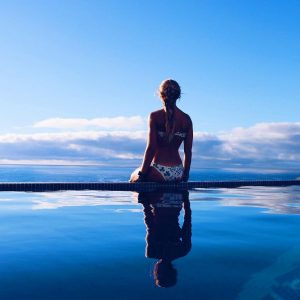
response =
{"points": [[169, 173]]}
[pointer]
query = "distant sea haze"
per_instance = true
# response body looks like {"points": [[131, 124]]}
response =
{"points": [[39, 173]]}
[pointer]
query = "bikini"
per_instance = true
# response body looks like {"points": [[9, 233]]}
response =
{"points": [[170, 173], [178, 133]]}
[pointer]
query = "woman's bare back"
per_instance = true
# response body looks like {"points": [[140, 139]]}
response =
{"points": [[167, 152]]}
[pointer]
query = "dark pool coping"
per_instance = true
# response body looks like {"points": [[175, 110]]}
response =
{"points": [[140, 186]]}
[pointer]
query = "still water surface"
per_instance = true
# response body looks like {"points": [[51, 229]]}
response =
{"points": [[209, 244]]}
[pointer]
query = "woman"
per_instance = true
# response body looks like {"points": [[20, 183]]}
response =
{"points": [[168, 128]]}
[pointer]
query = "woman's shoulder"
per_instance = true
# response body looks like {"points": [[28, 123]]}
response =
{"points": [[185, 117], [156, 114], [156, 118]]}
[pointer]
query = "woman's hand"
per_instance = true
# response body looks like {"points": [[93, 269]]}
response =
{"points": [[134, 175], [138, 176], [184, 178]]}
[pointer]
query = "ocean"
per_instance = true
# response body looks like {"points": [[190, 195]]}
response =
{"points": [[41, 173], [222, 244]]}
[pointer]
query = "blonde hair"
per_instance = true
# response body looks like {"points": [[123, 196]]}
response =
{"points": [[169, 92]]}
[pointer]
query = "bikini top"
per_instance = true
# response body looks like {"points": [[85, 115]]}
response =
{"points": [[178, 133]]}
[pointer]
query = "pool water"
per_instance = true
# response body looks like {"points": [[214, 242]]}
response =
{"points": [[206, 244]]}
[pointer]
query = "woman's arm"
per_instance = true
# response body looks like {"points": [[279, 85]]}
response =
{"points": [[188, 144], [151, 145]]}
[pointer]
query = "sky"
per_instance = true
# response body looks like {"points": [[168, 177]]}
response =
{"points": [[79, 78]]}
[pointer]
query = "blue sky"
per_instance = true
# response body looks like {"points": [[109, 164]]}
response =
{"points": [[237, 62]]}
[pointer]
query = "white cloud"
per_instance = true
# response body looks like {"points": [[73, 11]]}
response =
{"points": [[82, 147], [70, 136], [270, 145], [265, 141], [114, 123]]}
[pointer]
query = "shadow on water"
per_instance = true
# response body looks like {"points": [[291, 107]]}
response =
{"points": [[166, 240]]}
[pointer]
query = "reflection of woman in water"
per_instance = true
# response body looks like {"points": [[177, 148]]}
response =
{"points": [[168, 128], [166, 240]]}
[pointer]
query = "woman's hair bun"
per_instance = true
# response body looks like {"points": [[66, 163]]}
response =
{"points": [[169, 90]]}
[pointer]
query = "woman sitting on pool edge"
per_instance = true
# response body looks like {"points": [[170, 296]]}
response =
{"points": [[168, 128]]}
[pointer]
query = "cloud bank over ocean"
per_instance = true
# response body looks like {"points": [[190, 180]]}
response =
{"points": [[264, 145]]}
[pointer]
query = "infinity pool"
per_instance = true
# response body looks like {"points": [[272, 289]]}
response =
{"points": [[209, 244]]}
